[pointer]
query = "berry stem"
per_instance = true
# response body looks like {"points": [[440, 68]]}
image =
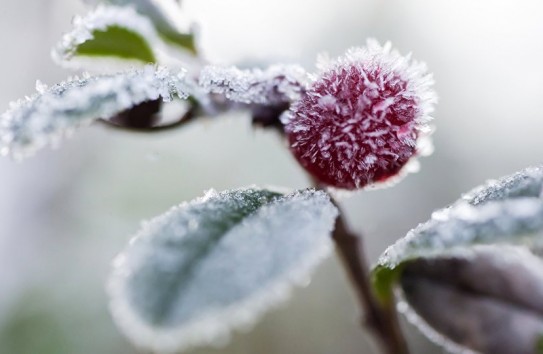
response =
{"points": [[380, 319]]}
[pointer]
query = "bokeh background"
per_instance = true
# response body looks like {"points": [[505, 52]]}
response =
{"points": [[64, 214]]}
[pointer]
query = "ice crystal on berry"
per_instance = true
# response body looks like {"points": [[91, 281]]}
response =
{"points": [[364, 118]]}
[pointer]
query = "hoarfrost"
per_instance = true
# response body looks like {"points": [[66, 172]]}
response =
{"points": [[454, 230], [165, 14], [53, 113], [100, 19], [508, 210], [526, 183], [272, 86], [217, 263]]}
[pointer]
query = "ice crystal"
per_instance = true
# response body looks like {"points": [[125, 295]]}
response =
{"points": [[273, 86], [52, 113], [506, 210], [364, 118], [452, 231], [526, 183], [217, 263], [102, 18], [165, 14]]}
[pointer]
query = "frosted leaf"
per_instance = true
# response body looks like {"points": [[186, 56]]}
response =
{"points": [[479, 254], [53, 113], [217, 263], [508, 210], [166, 16], [526, 183], [272, 86], [454, 230], [108, 32]]}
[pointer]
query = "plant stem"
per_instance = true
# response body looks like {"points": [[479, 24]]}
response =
{"points": [[188, 117], [380, 319]]}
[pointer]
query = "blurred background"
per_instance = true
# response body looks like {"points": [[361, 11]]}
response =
{"points": [[66, 213]]}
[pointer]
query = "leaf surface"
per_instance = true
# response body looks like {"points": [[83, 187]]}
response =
{"points": [[109, 35], [217, 263], [167, 18], [119, 42]]}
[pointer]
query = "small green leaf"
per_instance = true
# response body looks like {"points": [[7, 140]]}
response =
{"points": [[167, 19], [217, 263], [118, 42], [106, 33]]}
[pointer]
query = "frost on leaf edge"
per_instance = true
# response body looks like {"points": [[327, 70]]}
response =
{"points": [[101, 18], [48, 116]]}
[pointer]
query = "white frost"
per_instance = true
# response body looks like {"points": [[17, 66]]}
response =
{"points": [[415, 73], [453, 231], [53, 113], [100, 19], [526, 183], [165, 14], [274, 85]]}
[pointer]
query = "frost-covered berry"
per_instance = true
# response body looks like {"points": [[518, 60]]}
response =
{"points": [[363, 119]]}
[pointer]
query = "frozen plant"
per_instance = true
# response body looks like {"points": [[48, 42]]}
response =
{"points": [[360, 122]]}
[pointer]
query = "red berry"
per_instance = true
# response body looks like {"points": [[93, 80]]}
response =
{"points": [[362, 120]]}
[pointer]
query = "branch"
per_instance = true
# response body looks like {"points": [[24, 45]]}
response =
{"points": [[381, 320], [145, 120]]}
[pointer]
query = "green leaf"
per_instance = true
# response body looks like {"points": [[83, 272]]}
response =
{"points": [[118, 42], [217, 263], [167, 19], [106, 33]]}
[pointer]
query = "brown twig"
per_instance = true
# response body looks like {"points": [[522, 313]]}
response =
{"points": [[380, 319]]}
